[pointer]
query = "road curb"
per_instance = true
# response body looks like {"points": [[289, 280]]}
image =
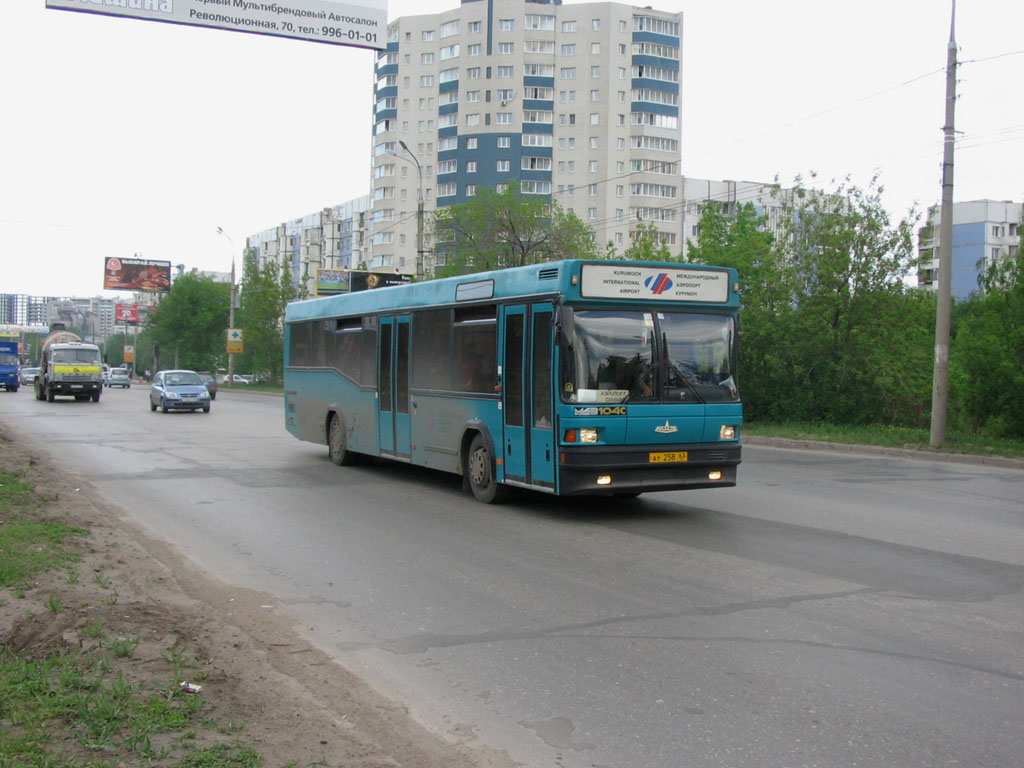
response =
{"points": [[877, 450]]}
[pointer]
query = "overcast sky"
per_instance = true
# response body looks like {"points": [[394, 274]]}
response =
{"points": [[123, 137]]}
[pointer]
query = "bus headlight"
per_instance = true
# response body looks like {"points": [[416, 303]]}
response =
{"points": [[727, 432], [588, 435]]}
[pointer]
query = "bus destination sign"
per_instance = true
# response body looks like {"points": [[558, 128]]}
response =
{"points": [[619, 281]]}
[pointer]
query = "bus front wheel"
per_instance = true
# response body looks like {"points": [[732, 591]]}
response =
{"points": [[340, 455], [480, 471]]}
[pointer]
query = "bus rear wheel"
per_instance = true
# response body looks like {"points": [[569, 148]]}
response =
{"points": [[339, 454], [480, 472]]}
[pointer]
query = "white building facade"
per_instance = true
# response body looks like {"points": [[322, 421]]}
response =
{"points": [[577, 103]]}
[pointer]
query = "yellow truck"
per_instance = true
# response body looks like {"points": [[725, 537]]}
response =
{"points": [[70, 367]]}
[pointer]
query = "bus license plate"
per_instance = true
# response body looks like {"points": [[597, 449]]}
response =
{"points": [[667, 457]]}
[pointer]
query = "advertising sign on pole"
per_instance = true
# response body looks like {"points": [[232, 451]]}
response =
{"points": [[235, 344], [360, 23], [332, 281], [129, 353]]}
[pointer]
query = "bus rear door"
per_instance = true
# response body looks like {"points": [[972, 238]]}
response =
{"points": [[393, 388]]}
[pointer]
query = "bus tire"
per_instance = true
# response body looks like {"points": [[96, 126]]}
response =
{"points": [[480, 473], [336, 449]]}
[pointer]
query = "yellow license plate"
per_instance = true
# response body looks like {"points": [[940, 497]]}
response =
{"points": [[667, 457]]}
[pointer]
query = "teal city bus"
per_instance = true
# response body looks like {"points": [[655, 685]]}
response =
{"points": [[569, 377]]}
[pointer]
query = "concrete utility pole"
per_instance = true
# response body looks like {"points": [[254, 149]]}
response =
{"points": [[940, 376], [419, 213]]}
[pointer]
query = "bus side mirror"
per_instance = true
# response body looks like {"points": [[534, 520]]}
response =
{"points": [[565, 326]]}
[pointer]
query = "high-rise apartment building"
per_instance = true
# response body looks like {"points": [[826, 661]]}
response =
{"points": [[984, 231], [578, 103]]}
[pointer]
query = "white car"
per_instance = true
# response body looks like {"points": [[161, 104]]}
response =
{"points": [[119, 377]]}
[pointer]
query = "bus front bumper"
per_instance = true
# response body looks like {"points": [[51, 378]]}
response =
{"points": [[614, 469]]}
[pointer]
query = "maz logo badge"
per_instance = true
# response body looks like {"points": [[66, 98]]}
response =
{"points": [[666, 429]]}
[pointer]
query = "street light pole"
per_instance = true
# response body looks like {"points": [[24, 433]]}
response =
{"points": [[231, 308], [419, 212]]}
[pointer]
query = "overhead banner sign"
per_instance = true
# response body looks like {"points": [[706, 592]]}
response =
{"points": [[131, 314], [136, 275], [362, 23], [610, 281], [332, 281]]}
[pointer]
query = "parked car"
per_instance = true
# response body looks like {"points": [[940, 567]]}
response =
{"points": [[28, 375], [242, 379], [179, 390], [211, 383], [118, 377]]}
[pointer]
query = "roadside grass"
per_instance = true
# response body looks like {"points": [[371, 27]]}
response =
{"points": [[78, 709], [888, 436]]}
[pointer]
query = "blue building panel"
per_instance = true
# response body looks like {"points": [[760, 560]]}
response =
{"points": [[538, 128], [538, 82], [448, 109], [657, 109], [655, 61], [451, 85], [655, 85], [539, 104], [654, 37]]}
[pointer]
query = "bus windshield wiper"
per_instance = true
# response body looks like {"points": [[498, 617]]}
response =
{"points": [[670, 369]]}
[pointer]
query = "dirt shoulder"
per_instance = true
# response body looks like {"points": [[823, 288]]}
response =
{"points": [[298, 708]]}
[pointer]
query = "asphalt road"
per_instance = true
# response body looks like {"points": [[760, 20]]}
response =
{"points": [[831, 610]]}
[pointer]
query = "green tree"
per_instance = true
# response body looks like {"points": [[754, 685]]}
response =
{"points": [[265, 292], [496, 230], [987, 352], [831, 332], [645, 244], [189, 324]]}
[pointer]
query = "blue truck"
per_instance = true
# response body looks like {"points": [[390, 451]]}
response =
{"points": [[9, 365]]}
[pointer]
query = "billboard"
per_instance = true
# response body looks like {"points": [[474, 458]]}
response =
{"points": [[331, 281], [136, 275], [361, 23], [132, 314]]}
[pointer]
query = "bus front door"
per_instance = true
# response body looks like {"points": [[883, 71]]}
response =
{"points": [[393, 388], [529, 452]]}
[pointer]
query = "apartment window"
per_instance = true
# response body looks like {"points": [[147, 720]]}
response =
{"points": [[473, 119], [473, 73], [447, 143], [470, 190], [620, 143], [618, 214], [473, 50], [531, 187], [659, 26], [595, 72], [506, 94], [539, 21], [450, 28], [592, 190], [504, 142], [594, 142], [572, 166], [656, 49], [591, 213], [447, 190], [471, 166], [506, 25], [539, 70], [568, 73], [449, 52], [426, 81], [569, 50], [536, 92], [447, 166], [538, 116], [595, 24], [448, 97], [622, 49], [540, 46], [448, 75], [568, 26], [595, 118], [504, 118], [428, 36], [447, 121], [595, 95], [472, 143], [620, 167], [537, 139], [618, 238], [595, 48], [505, 71], [474, 27], [426, 58], [536, 163], [472, 96], [506, 48], [592, 166], [503, 166]]}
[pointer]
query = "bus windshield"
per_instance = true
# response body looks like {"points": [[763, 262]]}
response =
{"points": [[635, 356]]}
